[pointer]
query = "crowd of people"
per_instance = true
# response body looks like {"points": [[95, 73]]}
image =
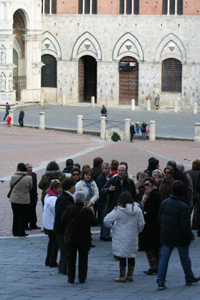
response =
{"points": [[154, 212]]}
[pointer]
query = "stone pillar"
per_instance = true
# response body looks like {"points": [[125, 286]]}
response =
{"points": [[152, 131], [79, 124], [42, 120], [103, 128], [12, 116], [197, 132], [175, 107], [42, 99], [133, 104], [148, 105], [127, 130], [195, 109], [64, 100], [92, 101]]}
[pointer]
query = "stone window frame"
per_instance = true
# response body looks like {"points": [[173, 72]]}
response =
{"points": [[88, 7], [51, 5], [129, 7], [177, 8]]}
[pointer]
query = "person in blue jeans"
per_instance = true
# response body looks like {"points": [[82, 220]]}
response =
{"points": [[143, 130], [174, 220]]}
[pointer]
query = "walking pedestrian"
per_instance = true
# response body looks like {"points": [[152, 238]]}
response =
{"points": [[7, 111], [21, 117]]}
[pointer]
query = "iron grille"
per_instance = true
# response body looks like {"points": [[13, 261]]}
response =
{"points": [[172, 7], [136, 7], [165, 7], [121, 10], [80, 7], [49, 71], [87, 6], [129, 7], [180, 7], [94, 7], [171, 75]]}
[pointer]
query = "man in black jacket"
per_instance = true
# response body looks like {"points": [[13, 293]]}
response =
{"points": [[21, 117], [174, 219], [115, 186], [7, 111]]}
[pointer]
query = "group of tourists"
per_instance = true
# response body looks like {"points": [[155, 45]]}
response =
{"points": [[8, 118], [151, 212]]}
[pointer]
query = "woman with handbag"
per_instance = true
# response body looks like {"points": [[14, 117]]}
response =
{"points": [[20, 185]]}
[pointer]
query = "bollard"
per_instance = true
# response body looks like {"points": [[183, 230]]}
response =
{"points": [[148, 105], [152, 131], [79, 124], [195, 109], [127, 130], [42, 120], [64, 100], [197, 133], [133, 104], [92, 101], [175, 107], [12, 116], [42, 99], [103, 128]]}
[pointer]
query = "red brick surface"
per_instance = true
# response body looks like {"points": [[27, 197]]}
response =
{"points": [[39, 147]]}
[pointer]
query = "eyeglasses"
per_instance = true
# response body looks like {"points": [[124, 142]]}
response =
{"points": [[148, 184], [167, 172], [75, 174]]}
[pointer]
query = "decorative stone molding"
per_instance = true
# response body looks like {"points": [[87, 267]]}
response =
{"points": [[128, 38], [109, 134], [167, 39], [89, 38], [50, 45]]}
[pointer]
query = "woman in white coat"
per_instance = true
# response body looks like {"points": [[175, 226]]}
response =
{"points": [[128, 223]]}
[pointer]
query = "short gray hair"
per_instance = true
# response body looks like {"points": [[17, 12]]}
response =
{"points": [[27, 164], [180, 165], [158, 171], [105, 164], [143, 175], [79, 197]]}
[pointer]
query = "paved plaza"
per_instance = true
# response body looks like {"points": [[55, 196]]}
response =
{"points": [[23, 275]]}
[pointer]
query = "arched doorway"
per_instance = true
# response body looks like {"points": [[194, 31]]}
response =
{"points": [[19, 73], [128, 80], [87, 78], [49, 71]]}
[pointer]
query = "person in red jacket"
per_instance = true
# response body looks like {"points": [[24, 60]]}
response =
{"points": [[9, 120]]}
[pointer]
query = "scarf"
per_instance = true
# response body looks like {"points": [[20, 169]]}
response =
{"points": [[89, 187], [147, 193]]}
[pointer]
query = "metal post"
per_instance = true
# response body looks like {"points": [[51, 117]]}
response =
{"points": [[127, 130], [103, 128], [152, 131], [197, 132], [79, 124], [42, 121]]}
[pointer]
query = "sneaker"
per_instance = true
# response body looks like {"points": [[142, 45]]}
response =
{"points": [[194, 280], [161, 286]]}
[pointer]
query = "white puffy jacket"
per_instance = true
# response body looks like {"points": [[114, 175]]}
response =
{"points": [[49, 211], [128, 223]]}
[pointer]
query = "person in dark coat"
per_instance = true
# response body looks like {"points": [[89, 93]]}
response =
{"points": [[174, 220], [65, 199], [150, 236], [77, 220], [143, 130], [165, 186], [21, 117], [97, 167], [69, 167], [115, 186], [179, 175], [7, 111], [132, 131], [31, 213], [197, 187], [101, 202]]}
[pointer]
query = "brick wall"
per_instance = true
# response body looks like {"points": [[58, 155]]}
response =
{"points": [[191, 7], [108, 7], [67, 6], [150, 7]]}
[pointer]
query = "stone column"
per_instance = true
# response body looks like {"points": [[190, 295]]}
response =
{"points": [[64, 100], [42, 120], [152, 131], [12, 116], [79, 124], [195, 108], [148, 105], [127, 130], [92, 101], [197, 132], [103, 128], [42, 99], [133, 104], [175, 107]]}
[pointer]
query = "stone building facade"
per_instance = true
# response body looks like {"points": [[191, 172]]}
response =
{"points": [[114, 50]]}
